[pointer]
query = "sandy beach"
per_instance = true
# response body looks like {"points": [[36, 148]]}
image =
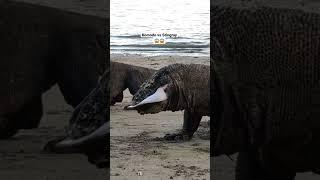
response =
{"points": [[136, 149]]}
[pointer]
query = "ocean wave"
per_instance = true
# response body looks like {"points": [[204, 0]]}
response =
{"points": [[127, 36], [167, 45]]}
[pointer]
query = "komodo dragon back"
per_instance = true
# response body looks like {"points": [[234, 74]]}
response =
{"points": [[266, 66]]}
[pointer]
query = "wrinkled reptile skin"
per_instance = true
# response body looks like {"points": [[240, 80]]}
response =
{"points": [[93, 111], [267, 67]]}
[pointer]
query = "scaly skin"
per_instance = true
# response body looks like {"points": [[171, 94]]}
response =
{"points": [[187, 89], [90, 115], [40, 47], [125, 76], [265, 89]]}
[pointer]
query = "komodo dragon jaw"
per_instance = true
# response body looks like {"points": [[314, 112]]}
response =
{"points": [[158, 96], [88, 130], [153, 95]]}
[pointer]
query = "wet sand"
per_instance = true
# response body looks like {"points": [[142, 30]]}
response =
{"points": [[137, 150]]}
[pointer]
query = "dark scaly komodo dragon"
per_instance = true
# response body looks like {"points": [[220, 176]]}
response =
{"points": [[125, 76], [176, 87], [265, 90]]}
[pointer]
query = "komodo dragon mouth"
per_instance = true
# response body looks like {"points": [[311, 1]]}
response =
{"points": [[89, 128], [153, 103]]}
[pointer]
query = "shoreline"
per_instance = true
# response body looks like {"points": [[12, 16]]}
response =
{"points": [[157, 62]]}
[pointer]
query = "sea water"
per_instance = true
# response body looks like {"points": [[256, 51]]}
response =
{"points": [[160, 27]]}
